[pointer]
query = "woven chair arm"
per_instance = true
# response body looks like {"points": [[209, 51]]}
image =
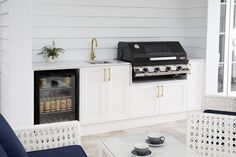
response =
{"points": [[222, 103], [212, 134], [47, 136]]}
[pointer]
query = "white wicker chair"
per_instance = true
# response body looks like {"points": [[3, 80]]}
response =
{"points": [[219, 103], [213, 134], [47, 136]]}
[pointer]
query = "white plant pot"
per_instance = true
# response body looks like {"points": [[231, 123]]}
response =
{"points": [[51, 60]]}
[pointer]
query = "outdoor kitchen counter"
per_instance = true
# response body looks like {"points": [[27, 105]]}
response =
{"points": [[40, 66]]}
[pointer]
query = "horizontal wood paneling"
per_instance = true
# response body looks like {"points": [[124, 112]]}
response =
{"points": [[4, 54], [4, 20], [61, 21], [72, 24], [99, 11], [121, 3], [189, 4], [196, 17], [4, 30], [85, 43], [106, 32]]}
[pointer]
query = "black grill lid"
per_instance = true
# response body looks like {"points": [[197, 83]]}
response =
{"points": [[137, 52]]}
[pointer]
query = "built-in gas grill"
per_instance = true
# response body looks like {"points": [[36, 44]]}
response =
{"points": [[155, 60]]}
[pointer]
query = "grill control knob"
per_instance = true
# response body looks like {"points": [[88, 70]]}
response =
{"points": [[145, 70], [157, 69], [179, 68], [137, 70], [168, 69]]}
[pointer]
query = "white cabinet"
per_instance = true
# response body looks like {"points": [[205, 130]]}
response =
{"points": [[173, 97], [196, 84], [158, 98], [104, 93], [118, 92], [93, 94], [144, 101]]}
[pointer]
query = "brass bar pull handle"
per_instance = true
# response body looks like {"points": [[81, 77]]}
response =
{"points": [[162, 91], [190, 69], [109, 69], [105, 74], [158, 91]]}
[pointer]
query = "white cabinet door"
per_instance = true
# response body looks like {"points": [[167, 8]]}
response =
{"points": [[196, 85], [118, 92], [173, 99], [93, 94], [144, 101]]}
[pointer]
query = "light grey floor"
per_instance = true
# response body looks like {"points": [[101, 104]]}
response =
{"points": [[176, 129]]}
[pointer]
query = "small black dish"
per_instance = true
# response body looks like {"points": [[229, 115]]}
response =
{"points": [[135, 154], [154, 144]]}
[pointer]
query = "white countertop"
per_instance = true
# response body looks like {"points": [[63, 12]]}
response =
{"points": [[39, 66]]}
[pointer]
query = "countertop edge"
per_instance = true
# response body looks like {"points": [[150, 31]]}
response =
{"points": [[60, 65]]}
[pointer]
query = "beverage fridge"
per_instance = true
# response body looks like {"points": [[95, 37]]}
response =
{"points": [[56, 96]]}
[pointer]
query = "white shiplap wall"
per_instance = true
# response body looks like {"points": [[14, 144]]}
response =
{"points": [[16, 61], [72, 24], [195, 34], [4, 54]]}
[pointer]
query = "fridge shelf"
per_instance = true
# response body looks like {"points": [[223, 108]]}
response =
{"points": [[56, 112], [55, 88], [55, 98]]}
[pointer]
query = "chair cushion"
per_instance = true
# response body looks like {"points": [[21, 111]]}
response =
{"points": [[2, 152], [220, 112], [70, 151], [9, 140]]}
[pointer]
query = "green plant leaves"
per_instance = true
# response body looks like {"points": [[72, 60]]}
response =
{"points": [[51, 51]]}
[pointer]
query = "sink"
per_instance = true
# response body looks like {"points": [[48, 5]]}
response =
{"points": [[99, 62]]}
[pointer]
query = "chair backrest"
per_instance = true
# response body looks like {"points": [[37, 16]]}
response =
{"points": [[9, 141], [2, 152], [221, 103]]}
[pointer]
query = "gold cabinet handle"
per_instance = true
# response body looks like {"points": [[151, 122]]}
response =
{"points": [[162, 91], [105, 74], [109, 69], [190, 69], [158, 91]]}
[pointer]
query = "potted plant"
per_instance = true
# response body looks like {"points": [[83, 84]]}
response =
{"points": [[51, 52]]}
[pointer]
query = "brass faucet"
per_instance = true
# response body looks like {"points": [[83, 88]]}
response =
{"points": [[92, 53]]}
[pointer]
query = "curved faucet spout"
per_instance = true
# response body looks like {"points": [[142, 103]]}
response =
{"points": [[92, 53]]}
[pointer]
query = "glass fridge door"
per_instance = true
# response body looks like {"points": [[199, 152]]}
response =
{"points": [[57, 97]]}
